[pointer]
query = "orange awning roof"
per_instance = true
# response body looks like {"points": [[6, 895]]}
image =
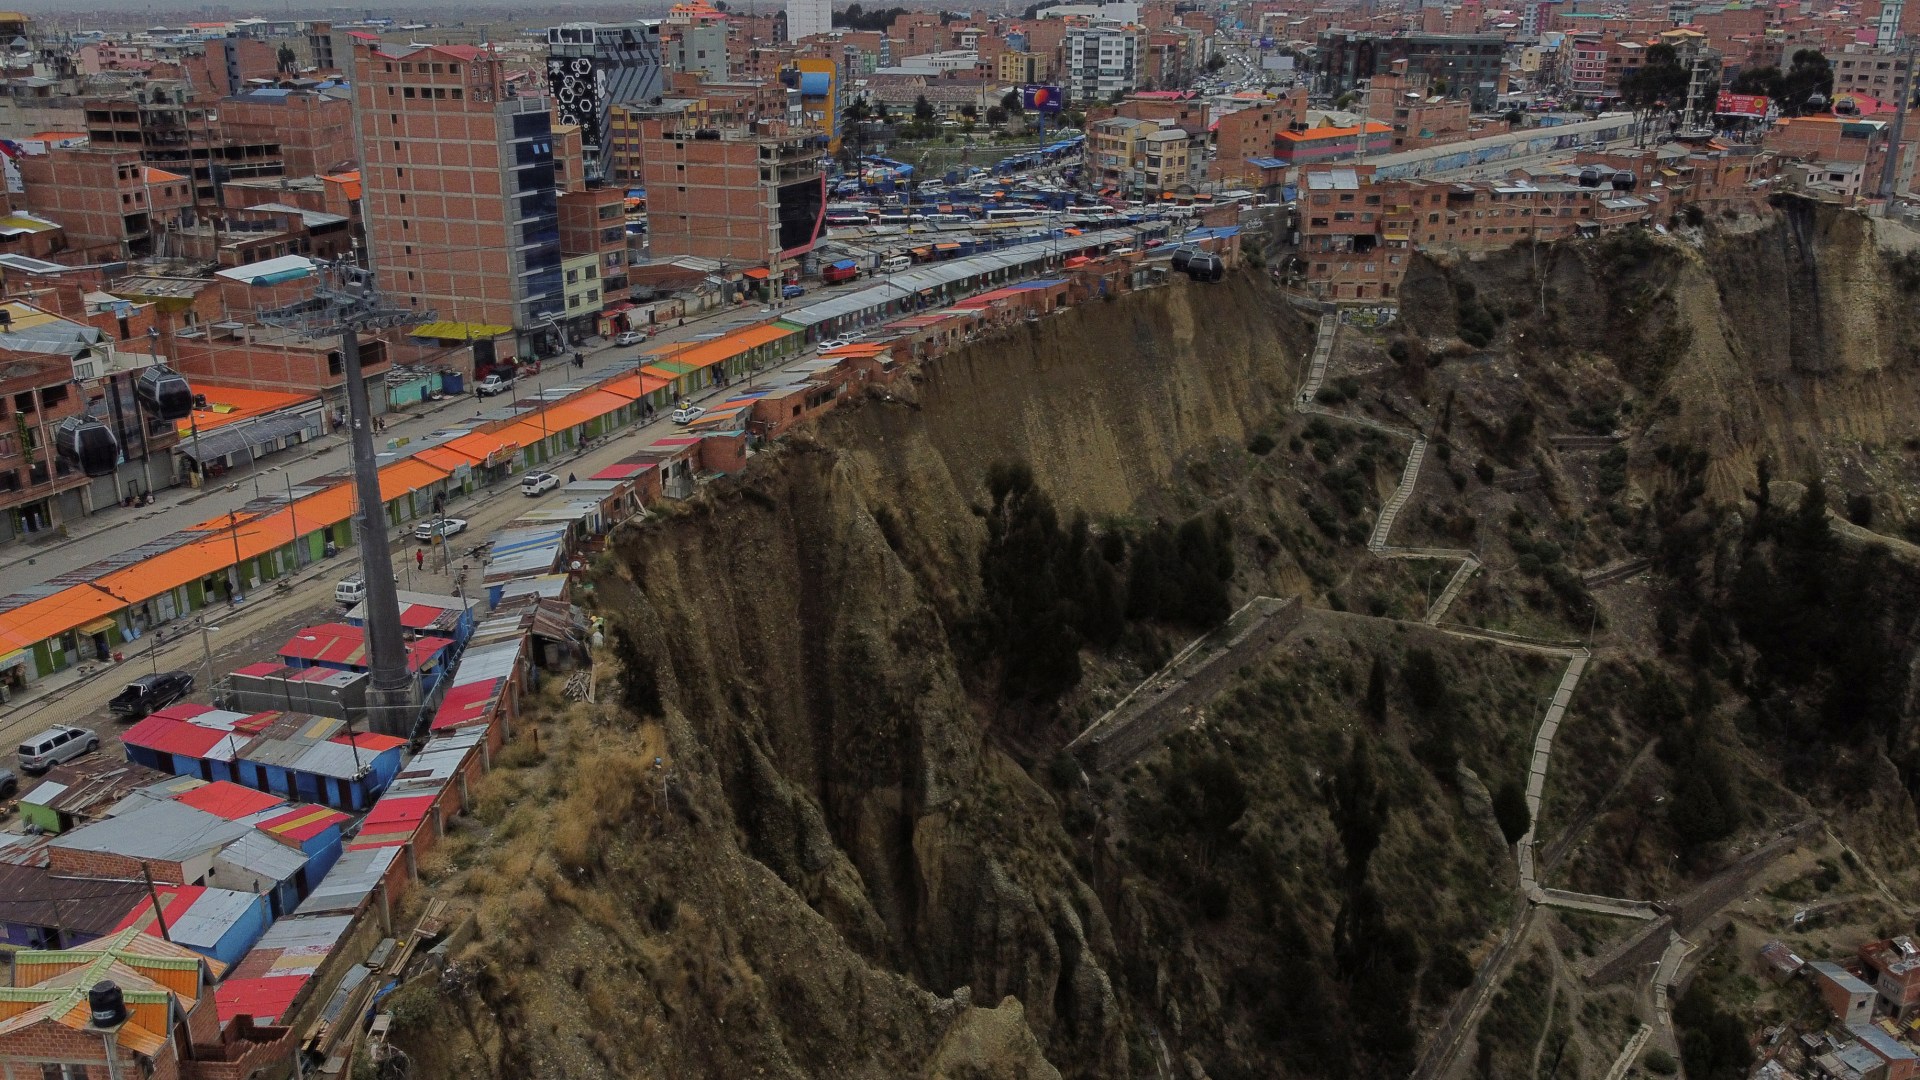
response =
{"points": [[636, 386], [53, 615], [447, 458], [407, 475]]}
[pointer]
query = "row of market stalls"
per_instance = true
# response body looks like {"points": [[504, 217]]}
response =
{"points": [[91, 615]]}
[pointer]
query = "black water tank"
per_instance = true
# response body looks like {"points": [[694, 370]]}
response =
{"points": [[1181, 257], [1589, 177], [88, 444], [1624, 181], [108, 1005], [164, 393], [1206, 266]]}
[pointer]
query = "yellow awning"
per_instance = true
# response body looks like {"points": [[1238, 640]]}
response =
{"points": [[460, 331], [98, 626]]}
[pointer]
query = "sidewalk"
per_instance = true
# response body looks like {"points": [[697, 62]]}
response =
{"points": [[433, 579], [24, 564]]}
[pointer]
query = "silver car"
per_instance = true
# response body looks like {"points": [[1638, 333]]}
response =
{"points": [[55, 745]]}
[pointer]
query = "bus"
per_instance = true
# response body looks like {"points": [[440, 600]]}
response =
{"points": [[1014, 215]]}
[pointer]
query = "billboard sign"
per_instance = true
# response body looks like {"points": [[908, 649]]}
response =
{"points": [[1741, 105], [1046, 99]]}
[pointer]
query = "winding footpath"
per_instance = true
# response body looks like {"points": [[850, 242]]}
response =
{"points": [[1464, 1018]]}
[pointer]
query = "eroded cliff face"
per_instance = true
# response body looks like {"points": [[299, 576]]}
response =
{"points": [[837, 815], [1795, 339], [802, 836]]}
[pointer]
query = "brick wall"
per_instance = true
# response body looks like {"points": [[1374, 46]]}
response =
{"points": [[26, 1050], [100, 864]]}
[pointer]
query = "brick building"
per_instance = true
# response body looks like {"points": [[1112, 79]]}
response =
{"points": [[1245, 134], [1472, 65], [1419, 117], [460, 202], [1845, 996], [110, 204], [38, 490], [1895, 965], [313, 131], [259, 358], [178, 135], [739, 191], [170, 1031], [593, 226]]}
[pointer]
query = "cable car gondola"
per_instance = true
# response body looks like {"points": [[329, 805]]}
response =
{"points": [[164, 393], [88, 443]]}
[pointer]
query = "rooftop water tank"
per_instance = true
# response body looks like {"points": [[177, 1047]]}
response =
{"points": [[107, 1004]]}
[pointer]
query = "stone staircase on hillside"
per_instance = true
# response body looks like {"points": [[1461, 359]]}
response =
{"points": [[1456, 585], [1409, 476], [1322, 356]]}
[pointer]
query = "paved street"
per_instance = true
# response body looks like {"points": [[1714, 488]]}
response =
{"points": [[253, 630], [23, 565]]}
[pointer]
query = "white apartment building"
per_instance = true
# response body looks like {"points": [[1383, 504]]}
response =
{"points": [[806, 18], [1105, 59]]}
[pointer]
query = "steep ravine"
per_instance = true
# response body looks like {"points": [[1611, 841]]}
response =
{"points": [[802, 836]]}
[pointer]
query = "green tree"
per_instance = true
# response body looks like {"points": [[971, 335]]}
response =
{"points": [[922, 109], [1658, 87], [1510, 810], [1713, 1042], [1216, 62], [1027, 622], [1810, 74], [1377, 676], [1359, 809], [996, 115]]}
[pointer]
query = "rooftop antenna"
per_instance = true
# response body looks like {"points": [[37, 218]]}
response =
{"points": [[344, 304]]}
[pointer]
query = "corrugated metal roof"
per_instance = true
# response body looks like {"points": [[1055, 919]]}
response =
{"points": [[209, 917], [162, 831], [351, 880], [264, 856]]}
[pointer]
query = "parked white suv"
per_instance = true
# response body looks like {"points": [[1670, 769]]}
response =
{"points": [[55, 745], [537, 483]]}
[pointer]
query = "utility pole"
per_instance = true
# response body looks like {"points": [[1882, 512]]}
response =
{"points": [[345, 304], [153, 895]]}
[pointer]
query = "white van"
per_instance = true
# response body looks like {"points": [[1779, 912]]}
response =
{"points": [[896, 264], [351, 590], [55, 745]]}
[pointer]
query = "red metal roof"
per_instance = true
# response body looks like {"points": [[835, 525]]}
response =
{"points": [[622, 471], [466, 704], [303, 823], [420, 616], [406, 811], [228, 800], [166, 735], [265, 999], [340, 644], [369, 741]]}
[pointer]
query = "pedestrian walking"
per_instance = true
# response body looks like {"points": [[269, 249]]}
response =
{"points": [[420, 558]]}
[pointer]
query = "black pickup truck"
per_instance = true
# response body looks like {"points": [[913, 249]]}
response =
{"points": [[150, 692]]}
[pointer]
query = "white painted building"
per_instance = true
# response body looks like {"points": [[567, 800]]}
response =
{"points": [[806, 18], [1104, 60]]}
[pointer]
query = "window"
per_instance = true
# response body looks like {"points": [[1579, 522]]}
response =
{"points": [[406, 91], [335, 363]]}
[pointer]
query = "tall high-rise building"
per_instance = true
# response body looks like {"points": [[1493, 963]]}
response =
{"points": [[1104, 60], [459, 200], [592, 67], [808, 17]]}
